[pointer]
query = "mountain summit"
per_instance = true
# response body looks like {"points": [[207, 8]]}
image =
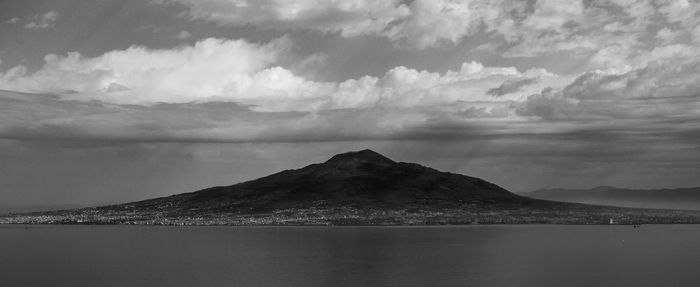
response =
{"points": [[355, 158]]}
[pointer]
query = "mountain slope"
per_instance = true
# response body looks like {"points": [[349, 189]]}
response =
{"points": [[359, 179], [358, 188], [679, 198]]}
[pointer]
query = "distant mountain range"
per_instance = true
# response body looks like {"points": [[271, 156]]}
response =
{"points": [[678, 198], [357, 188]]}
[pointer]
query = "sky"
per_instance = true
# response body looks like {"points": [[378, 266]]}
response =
{"points": [[110, 101]]}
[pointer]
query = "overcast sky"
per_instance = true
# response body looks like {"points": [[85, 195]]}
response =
{"points": [[112, 100]]}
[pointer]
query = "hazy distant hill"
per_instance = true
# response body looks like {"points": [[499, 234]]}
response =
{"points": [[678, 198], [17, 208], [360, 187]]}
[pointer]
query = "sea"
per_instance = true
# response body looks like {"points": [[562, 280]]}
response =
{"points": [[488, 255]]}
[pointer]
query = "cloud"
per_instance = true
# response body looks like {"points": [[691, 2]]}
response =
{"points": [[416, 24], [350, 18], [165, 94], [42, 21], [13, 20], [432, 23], [620, 29], [183, 35], [150, 28], [581, 128], [402, 87], [611, 34], [665, 88], [403, 103], [229, 70], [32, 119], [510, 86], [250, 74]]}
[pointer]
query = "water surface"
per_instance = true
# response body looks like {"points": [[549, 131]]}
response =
{"points": [[511, 255]]}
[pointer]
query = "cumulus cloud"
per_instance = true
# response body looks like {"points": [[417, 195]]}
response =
{"points": [[663, 89], [611, 29], [658, 82], [233, 70], [432, 23], [249, 74], [553, 14], [415, 24], [402, 87], [612, 34]]}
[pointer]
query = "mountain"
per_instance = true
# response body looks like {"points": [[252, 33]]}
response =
{"points": [[678, 198], [362, 178], [357, 188]]}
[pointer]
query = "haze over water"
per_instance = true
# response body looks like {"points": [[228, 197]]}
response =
{"points": [[525, 255]]}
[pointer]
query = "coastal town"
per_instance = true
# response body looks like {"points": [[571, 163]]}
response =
{"points": [[467, 214]]}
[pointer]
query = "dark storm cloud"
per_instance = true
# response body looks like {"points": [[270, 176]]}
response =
{"points": [[38, 117], [46, 117], [43, 117]]}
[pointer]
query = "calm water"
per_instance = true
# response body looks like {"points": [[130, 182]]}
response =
{"points": [[547, 255]]}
